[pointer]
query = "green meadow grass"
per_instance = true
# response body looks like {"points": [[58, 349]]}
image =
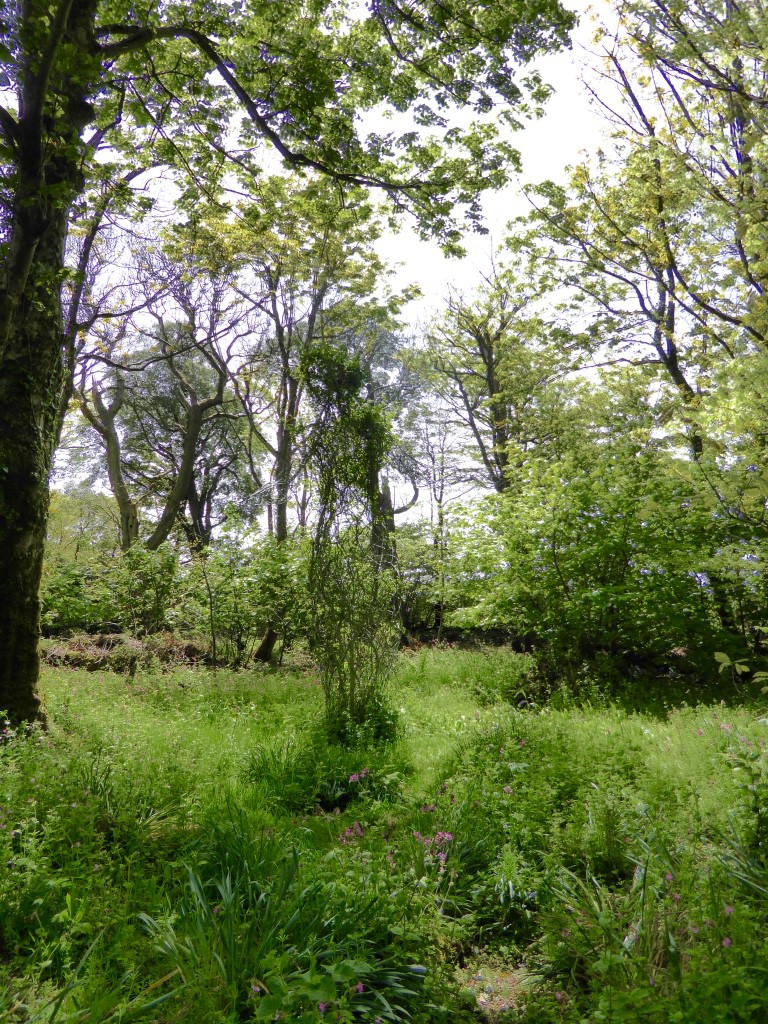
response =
{"points": [[187, 847]]}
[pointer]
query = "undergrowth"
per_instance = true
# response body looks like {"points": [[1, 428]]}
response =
{"points": [[192, 847]]}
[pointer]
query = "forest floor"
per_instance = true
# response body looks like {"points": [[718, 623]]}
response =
{"points": [[186, 846]]}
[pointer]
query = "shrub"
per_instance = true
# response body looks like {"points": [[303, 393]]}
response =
{"points": [[354, 637], [237, 592], [145, 588], [75, 596], [315, 773]]}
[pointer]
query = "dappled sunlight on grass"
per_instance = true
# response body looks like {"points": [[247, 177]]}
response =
{"points": [[203, 719], [195, 836]]}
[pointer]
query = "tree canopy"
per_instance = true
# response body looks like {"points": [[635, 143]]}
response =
{"points": [[570, 453], [100, 91]]}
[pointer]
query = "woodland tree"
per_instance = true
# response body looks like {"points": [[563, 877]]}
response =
{"points": [[658, 243], [661, 238], [353, 588], [156, 391], [498, 364], [89, 74]]}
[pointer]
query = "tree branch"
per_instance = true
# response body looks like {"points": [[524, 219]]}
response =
{"points": [[137, 39]]}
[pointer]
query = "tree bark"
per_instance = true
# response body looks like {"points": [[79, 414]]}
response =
{"points": [[103, 422], [290, 399], [30, 382], [282, 484], [46, 175]]}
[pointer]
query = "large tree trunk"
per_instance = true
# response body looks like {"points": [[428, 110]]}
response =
{"points": [[266, 649], [46, 176], [31, 379], [177, 495]]}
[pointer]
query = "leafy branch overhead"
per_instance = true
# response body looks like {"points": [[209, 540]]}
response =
{"points": [[299, 82]]}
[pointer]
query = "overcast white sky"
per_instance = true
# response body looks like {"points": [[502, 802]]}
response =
{"points": [[571, 125]]}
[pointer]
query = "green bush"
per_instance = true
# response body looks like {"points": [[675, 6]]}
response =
{"points": [[237, 592], [145, 587], [354, 637], [609, 562], [302, 776], [76, 596]]}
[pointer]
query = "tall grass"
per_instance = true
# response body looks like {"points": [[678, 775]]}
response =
{"points": [[190, 846]]}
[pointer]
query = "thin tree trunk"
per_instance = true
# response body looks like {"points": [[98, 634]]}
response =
{"points": [[103, 422], [282, 477]]}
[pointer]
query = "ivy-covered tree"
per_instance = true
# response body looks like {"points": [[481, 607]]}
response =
{"points": [[307, 276], [353, 590]]}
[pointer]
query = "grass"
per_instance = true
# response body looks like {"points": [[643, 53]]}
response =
{"points": [[187, 846]]}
